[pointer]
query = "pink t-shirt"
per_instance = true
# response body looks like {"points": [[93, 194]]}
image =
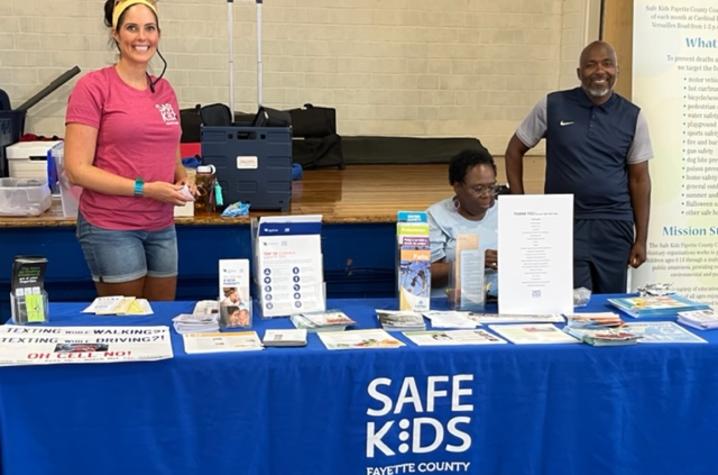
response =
{"points": [[138, 134]]}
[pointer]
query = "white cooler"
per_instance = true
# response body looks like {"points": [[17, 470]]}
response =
{"points": [[29, 159]]}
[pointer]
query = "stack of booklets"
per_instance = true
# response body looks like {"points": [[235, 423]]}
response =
{"points": [[330, 320], [119, 305], [599, 329], [700, 319], [204, 318], [596, 320], [282, 337], [399, 320], [191, 323], [604, 336], [656, 305]]}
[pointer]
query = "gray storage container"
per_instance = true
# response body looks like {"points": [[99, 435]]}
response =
{"points": [[254, 164]]}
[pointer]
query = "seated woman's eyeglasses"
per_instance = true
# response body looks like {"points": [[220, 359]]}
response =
{"points": [[480, 190]]}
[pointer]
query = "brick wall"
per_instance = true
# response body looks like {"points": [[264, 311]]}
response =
{"points": [[390, 67]]}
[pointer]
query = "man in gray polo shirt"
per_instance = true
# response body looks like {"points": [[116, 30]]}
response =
{"points": [[597, 148]]}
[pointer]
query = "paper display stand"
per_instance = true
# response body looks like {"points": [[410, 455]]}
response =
{"points": [[235, 305], [413, 261], [289, 271], [466, 277], [28, 299]]}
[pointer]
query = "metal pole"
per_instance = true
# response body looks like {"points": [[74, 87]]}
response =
{"points": [[230, 32], [260, 66]]}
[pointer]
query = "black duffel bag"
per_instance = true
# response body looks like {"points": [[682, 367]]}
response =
{"points": [[316, 142], [310, 121]]}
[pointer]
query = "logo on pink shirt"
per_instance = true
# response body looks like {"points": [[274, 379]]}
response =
{"points": [[168, 114]]}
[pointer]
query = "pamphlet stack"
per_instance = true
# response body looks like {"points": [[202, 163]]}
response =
{"points": [[414, 261], [393, 320], [235, 306], [700, 319], [331, 320]]}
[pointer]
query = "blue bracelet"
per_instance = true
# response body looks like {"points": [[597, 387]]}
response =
{"points": [[139, 187]]}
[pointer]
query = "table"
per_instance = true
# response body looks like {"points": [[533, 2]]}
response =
{"points": [[504, 409]]}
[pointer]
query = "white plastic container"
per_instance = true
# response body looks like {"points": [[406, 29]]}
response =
{"points": [[69, 193], [29, 159], [24, 197]]}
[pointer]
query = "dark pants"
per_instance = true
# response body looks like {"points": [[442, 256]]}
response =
{"points": [[601, 248]]}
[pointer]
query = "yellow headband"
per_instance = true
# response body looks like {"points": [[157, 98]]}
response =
{"points": [[123, 5]]}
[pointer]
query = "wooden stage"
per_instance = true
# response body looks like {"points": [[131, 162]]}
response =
{"points": [[357, 194]]}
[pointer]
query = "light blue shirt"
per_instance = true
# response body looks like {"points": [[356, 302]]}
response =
{"points": [[446, 224]]}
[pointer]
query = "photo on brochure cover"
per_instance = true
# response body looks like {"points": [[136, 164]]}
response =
{"points": [[232, 297], [234, 316], [415, 276]]}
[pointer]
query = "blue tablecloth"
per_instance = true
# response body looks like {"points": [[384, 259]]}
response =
{"points": [[500, 409]]}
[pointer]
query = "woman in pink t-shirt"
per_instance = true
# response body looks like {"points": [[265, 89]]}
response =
{"points": [[122, 147]]}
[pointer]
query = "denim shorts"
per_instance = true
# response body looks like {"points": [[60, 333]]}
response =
{"points": [[122, 256]]}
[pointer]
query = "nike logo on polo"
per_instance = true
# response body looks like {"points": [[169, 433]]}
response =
{"points": [[564, 123]]}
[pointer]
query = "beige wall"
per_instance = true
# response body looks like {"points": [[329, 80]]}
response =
{"points": [[390, 67]]}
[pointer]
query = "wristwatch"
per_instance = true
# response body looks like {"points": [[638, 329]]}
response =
{"points": [[139, 187]]}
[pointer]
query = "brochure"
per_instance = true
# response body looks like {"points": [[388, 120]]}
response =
{"points": [[414, 260], [656, 305], [285, 337], [453, 337], [359, 340], [235, 306], [119, 305], [531, 334], [450, 319], [487, 318], [218, 342], [662, 332]]}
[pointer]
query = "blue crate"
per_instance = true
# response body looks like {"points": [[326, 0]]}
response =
{"points": [[253, 164]]}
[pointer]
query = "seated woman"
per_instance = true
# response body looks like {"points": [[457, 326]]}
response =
{"points": [[472, 210]]}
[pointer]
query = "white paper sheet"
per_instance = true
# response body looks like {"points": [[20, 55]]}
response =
{"points": [[535, 254]]}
